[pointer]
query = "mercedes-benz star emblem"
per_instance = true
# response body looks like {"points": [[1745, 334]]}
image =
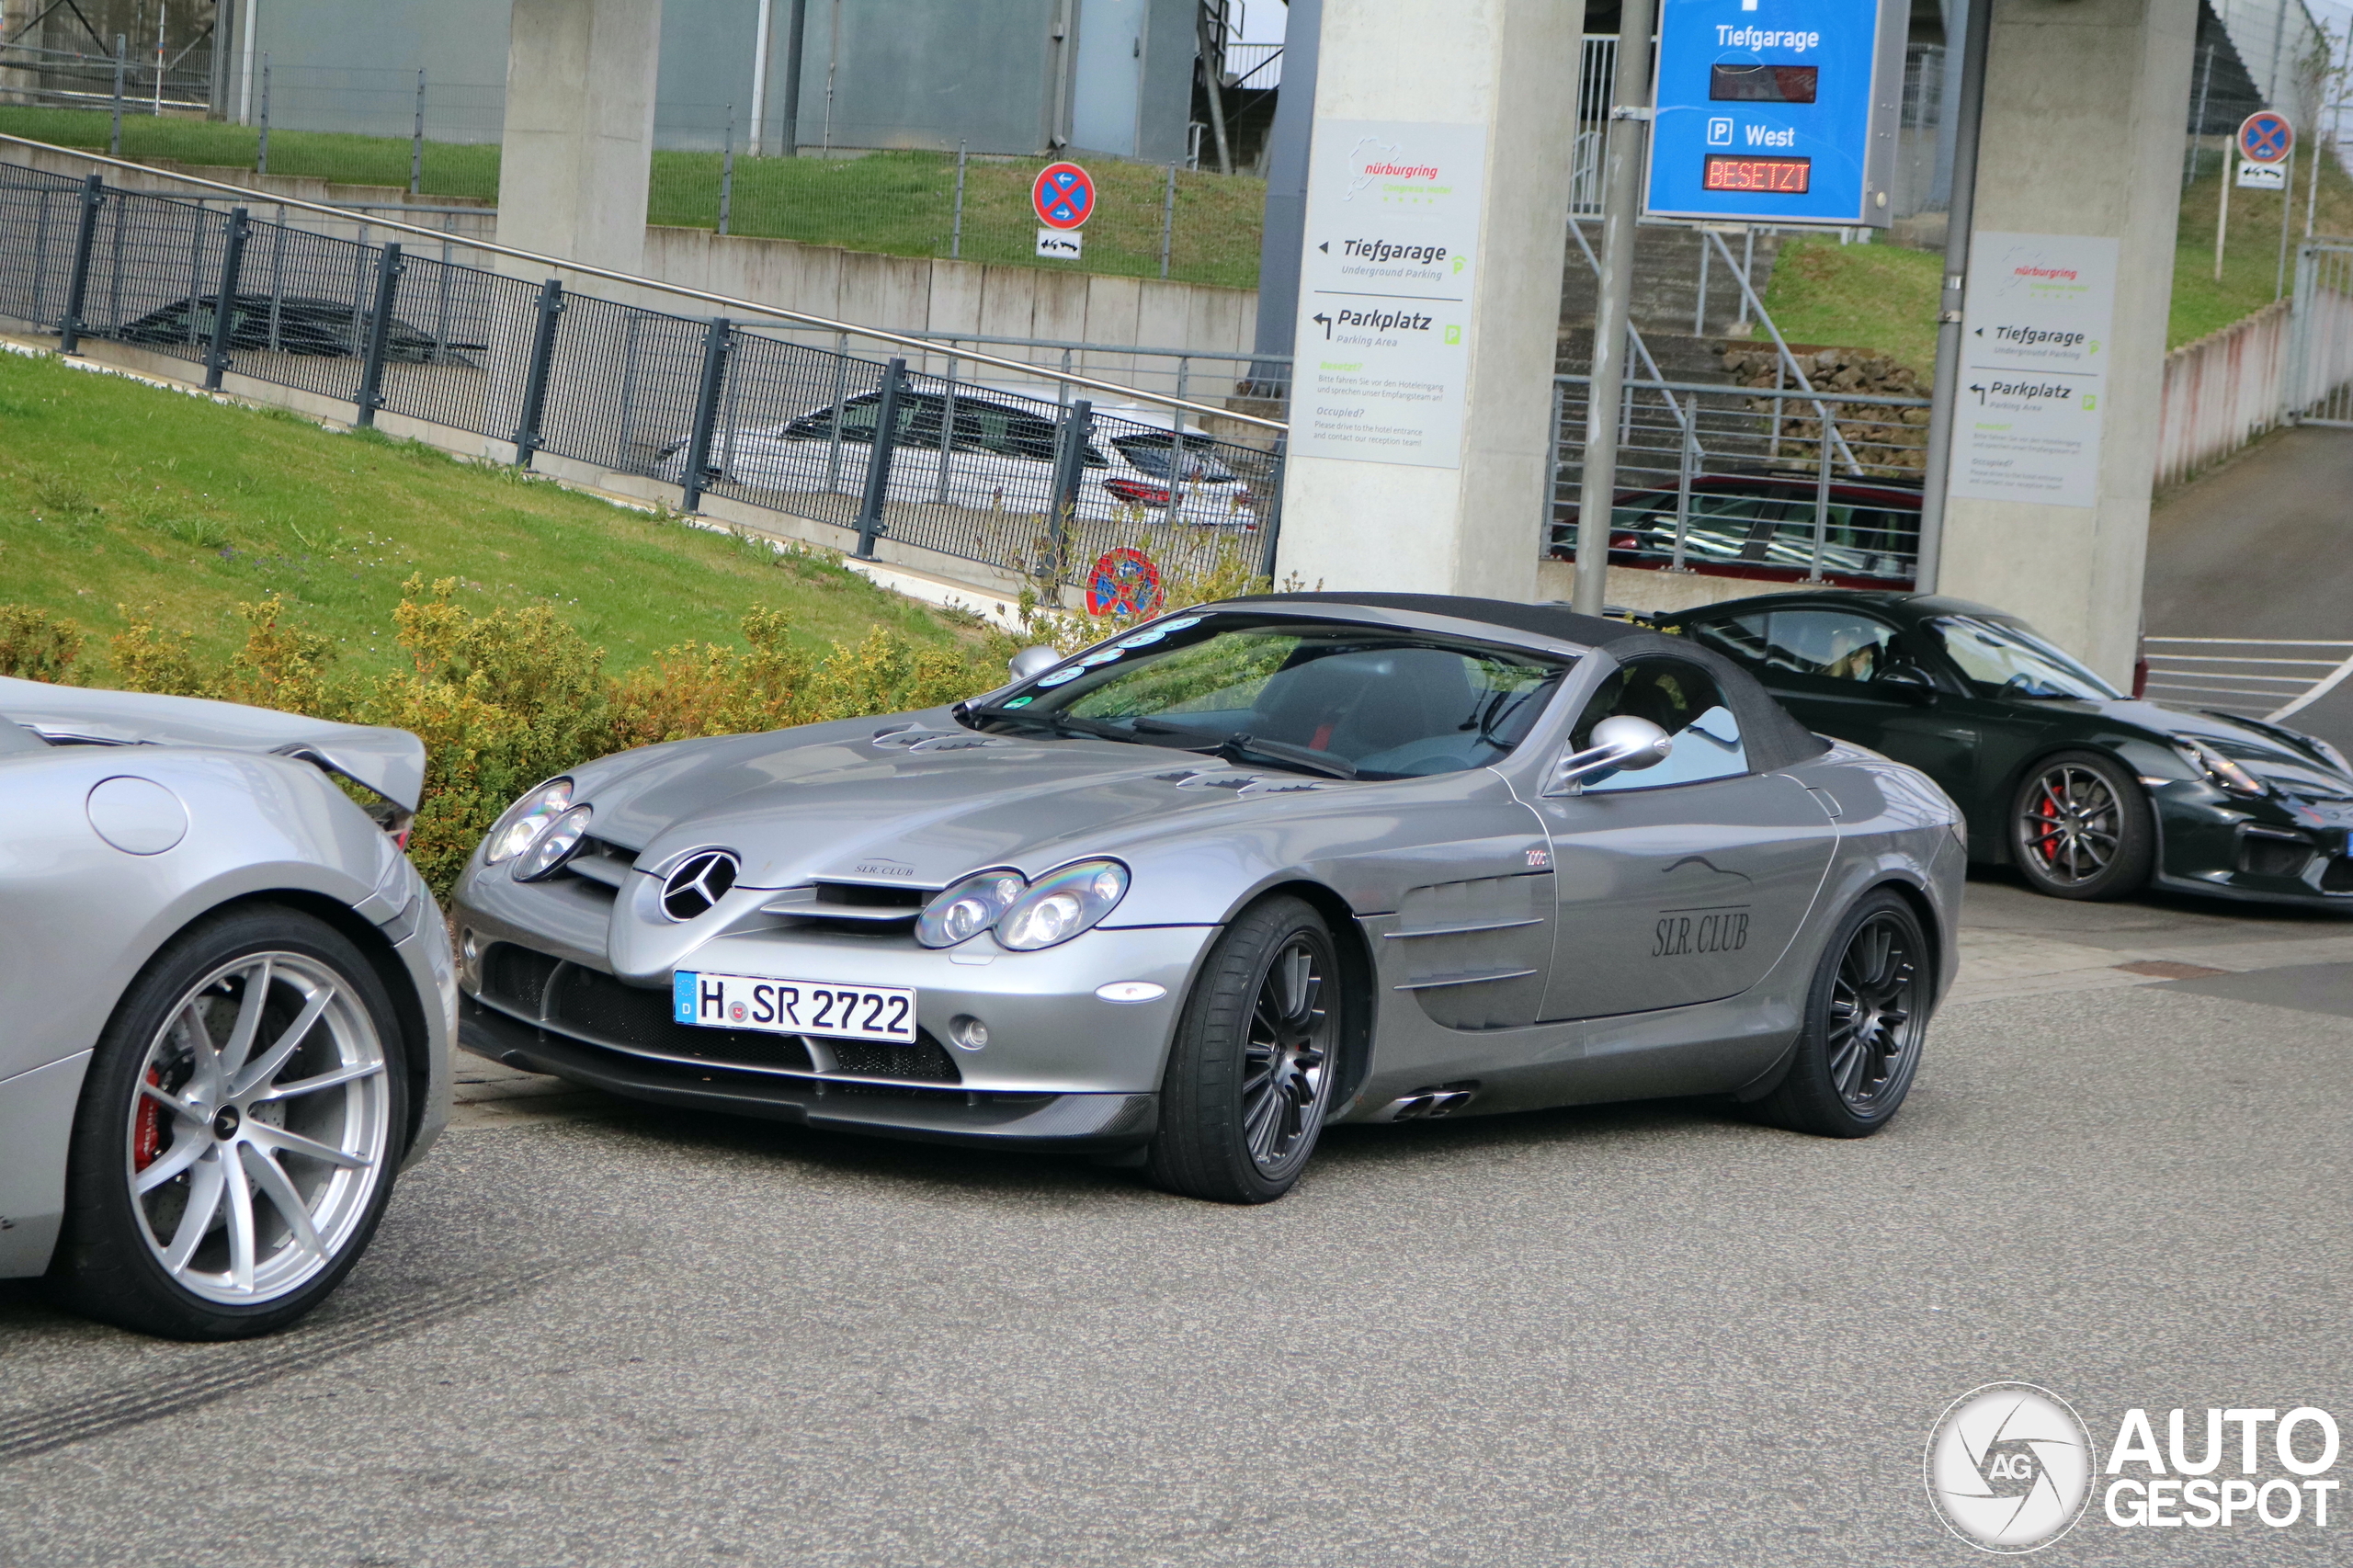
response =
{"points": [[698, 882]]}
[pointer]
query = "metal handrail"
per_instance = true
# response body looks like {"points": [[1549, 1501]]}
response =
{"points": [[730, 301], [1878, 399]]}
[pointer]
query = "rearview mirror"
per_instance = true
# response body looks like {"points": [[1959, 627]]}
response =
{"points": [[1621, 744], [1032, 661]]}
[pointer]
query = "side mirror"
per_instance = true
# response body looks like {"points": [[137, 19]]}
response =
{"points": [[1032, 661], [1623, 744], [1905, 683]]}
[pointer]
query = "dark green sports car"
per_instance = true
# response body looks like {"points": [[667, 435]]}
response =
{"points": [[2088, 792]]}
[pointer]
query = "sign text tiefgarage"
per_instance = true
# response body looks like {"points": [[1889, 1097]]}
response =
{"points": [[1775, 112], [1385, 291]]}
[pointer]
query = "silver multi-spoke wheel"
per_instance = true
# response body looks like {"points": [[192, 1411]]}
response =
{"points": [[260, 1128], [1875, 1023], [2072, 825], [1286, 1060]]}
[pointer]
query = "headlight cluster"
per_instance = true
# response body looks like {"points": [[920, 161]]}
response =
{"points": [[1025, 916], [2220, 770], [539, 831]]}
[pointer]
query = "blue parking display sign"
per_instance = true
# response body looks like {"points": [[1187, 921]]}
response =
{"points": [[1777, 112]]}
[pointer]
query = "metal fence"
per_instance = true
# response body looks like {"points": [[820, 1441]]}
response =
{"points": [[1741, 481], [1150, 219], [990, 472]]}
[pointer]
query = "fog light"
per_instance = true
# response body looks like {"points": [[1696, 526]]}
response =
{"points": [[469, 957], [968, 1032], [1132, 990]]}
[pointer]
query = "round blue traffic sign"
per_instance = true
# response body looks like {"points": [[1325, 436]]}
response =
{"points": [[1063, 195], [2265, 137]]}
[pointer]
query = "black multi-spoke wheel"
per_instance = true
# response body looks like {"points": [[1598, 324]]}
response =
{"points": [[2080, 828], [1865, 1014], [238, 1130], [1251, 1074]]}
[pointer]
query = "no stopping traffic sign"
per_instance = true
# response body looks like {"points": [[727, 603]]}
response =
{"points": [[1064, 195], [2265, 137]]}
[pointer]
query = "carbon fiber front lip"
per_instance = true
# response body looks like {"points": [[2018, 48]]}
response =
{"points": [[929, 1113]]}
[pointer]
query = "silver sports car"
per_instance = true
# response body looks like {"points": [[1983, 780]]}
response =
{"points": [[230, 1003], [1266, 864]]}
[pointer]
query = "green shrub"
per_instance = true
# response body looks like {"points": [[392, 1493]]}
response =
{"points": [[505, 700]]}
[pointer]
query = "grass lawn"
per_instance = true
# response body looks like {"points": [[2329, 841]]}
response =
{"points": [[114, 493], [1884, 299], [902, 203]]}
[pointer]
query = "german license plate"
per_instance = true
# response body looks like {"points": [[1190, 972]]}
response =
{"points": [[794, 1006]]}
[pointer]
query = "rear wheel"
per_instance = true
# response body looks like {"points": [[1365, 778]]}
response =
{"points": [[2080, 828], [234, 1144], [1251, 1074], [1866, 1013]]}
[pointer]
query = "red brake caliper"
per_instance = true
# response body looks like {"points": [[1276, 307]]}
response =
{"points": [[147, 1131]]}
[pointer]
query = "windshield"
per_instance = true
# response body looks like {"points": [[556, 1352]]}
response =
{"points": [[1362, 702], [1150, 453], [2007, 658]]}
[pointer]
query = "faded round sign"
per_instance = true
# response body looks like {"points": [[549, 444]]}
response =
{"points": [[1064, 195], [2265, 137], [1124, 582]]}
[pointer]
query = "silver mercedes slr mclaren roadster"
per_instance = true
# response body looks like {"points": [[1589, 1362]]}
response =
{"points": [[1181, 901], [230, 1003]]}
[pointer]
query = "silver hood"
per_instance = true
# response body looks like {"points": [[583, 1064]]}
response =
{"points": [[389, 762], [915, 801]]}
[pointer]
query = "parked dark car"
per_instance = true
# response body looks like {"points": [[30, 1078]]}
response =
{"points": [[1763, 524], [324, 328], [2092, 794]]}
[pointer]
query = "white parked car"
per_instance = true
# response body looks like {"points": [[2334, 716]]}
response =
{"points": [[1001, 458]]}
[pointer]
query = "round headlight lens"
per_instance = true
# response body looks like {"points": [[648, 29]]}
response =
{"points": [[1062, 905], [553, 846], [525, 820], [969, 908]]}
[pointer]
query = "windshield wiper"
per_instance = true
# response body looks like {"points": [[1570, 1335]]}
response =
{"points": [[1243, 746]]}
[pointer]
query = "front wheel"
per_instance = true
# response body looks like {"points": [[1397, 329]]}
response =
{"points": [[1866, 1013], [236, 1140], [1250, 1076], [2080, 828]]}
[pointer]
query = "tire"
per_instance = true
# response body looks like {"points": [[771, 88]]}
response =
{"points": [[293, 1102], [1849, 1076], [2080, 827], [1255, 1057]]}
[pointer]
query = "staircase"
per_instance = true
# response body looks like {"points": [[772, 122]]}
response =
{"points": [[1666, 300]]}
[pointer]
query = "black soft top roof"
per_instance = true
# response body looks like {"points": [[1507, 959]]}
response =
{"points": [[1771, 737], [1544, 620]]}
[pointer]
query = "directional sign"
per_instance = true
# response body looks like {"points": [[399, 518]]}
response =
{"points": [[1777, 112], [1385, 290], [1064, 195], [2034, 368], [2262, 177], [2265, 137]]}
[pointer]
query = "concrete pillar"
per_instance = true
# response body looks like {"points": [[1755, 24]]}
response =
{"points": [[2085, 102], [579, 134], [1423, 469]]}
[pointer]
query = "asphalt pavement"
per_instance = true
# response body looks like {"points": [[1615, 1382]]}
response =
{"points": [[591, 1333], [2256, 549]]}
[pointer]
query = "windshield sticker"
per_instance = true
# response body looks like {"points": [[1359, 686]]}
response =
{"points": [[1061, 676], [1178, 624], [1021, 702], [1141, 639], [1108, 655]]}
